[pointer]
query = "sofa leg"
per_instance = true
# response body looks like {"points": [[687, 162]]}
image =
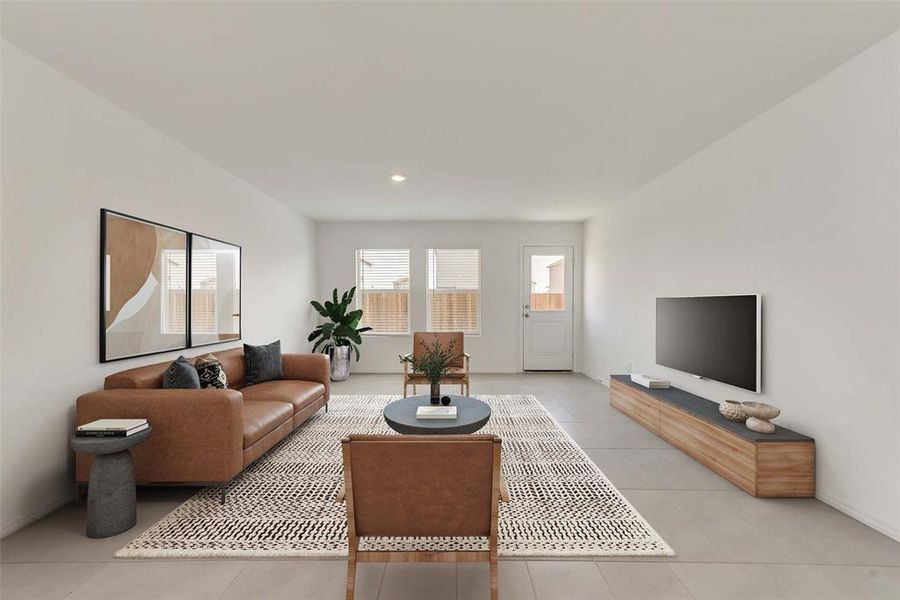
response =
{"points": [[326, 407], [223, 491]]}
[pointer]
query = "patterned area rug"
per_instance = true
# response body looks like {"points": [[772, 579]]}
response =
{"points": [[561, 503]]}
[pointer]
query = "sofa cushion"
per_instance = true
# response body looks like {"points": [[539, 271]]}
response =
{"points": [[211, 372], [262, 417], [181, 374], [299, 393], [263, 362], [151, 376]]}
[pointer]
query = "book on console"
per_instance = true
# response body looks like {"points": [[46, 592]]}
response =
{"points": [[650, 382], [436, 412]]}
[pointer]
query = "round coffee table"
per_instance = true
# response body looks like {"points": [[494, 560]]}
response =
{"points": [[471, 415], [111, 502]]}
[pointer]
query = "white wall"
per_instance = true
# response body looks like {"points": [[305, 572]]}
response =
{"points": [[802, 205], [497, 349], [68, 152]]}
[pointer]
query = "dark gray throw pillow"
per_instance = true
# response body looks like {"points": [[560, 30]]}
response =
{"points": [[263, 362], [181, 374]]}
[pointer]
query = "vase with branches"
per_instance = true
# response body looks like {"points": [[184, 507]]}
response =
{"points": [[434, 363]]}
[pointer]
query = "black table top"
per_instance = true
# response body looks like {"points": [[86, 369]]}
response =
{"points": [[108, 445], [709, 411], [471, 415]]}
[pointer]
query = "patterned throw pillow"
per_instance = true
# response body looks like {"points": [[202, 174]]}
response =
{"points": [[263, 362], [211, 373], [181, 374]]}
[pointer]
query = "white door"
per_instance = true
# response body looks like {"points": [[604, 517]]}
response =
{"points": [[547, 308]]}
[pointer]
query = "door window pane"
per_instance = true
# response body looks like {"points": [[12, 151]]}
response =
{"points": [[548, 282]]}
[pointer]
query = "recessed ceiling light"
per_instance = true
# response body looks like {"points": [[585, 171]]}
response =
{"points": [[398, 178]]}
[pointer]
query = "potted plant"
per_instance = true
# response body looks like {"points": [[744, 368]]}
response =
{"points": [[340, 335], [434, 364]]}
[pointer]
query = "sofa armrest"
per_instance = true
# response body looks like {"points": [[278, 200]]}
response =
{"points": [[308, 367], [198, 435]]}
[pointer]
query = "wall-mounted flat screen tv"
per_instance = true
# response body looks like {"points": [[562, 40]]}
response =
{"points": [[714, 337]]}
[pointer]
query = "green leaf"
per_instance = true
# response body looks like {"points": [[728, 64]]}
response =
{"points": [[315, 333], [342, 330], [351, 319], [334, 296], [355, 351], [319, 308], [363, 329]]}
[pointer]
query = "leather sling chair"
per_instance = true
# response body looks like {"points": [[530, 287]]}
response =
{"points": [[421, 486], [459, 372]]}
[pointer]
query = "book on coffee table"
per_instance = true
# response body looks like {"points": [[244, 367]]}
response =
{"points": [[436, 412]]}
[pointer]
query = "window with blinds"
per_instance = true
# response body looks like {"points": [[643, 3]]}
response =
{"points": [[454, 290], [382, 289]]}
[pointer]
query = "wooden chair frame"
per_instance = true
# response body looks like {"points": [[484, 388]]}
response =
{"points": [[462, 382], [354, 555]]}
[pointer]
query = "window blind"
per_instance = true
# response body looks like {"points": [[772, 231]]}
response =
{"points": [[173, 272], [382, 289], [454, 290], [204, 281]]}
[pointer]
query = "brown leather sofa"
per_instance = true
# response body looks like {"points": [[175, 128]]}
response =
{"points": [[207, 436]]}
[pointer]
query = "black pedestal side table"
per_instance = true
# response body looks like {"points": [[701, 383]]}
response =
{"points": [[111, 500]]}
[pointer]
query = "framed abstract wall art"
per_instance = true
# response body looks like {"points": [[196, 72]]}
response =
{"points": [[143, 296], [163, 288]]}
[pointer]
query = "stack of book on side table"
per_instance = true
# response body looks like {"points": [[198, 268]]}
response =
{"points": [[112, 428], [436, 412]]}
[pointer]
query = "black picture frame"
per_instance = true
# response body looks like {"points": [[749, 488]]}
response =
{"points": [[240, 250], [105, 213]]}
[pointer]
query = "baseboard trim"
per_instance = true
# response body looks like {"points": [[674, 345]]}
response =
{"points": [[597, 378], [25, 521], [848, 510]]}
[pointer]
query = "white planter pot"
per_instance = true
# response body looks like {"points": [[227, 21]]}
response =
{"points": [[340, 362]]}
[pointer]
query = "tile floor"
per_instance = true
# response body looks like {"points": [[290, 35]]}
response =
{"points": [[727, 544]]}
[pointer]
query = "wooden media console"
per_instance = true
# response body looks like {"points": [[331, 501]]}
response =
{"points": [[774, 465]]}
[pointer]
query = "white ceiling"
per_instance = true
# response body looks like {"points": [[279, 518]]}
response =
{"points": [[494, 111]]}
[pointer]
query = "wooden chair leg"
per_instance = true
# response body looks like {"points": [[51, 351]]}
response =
{"points": [[351, 574], [494, 593]]}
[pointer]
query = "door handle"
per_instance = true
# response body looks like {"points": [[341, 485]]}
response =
{"points": [[526, 315], [526, 306]]}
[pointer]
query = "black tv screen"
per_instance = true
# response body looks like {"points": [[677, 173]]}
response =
{"points": [[716, 337]]}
